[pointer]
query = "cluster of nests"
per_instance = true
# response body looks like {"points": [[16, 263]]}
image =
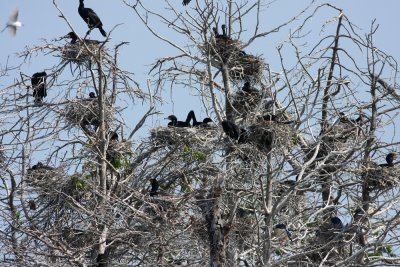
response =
{"points": [[82, 52], [381, 176], [227, 51]]}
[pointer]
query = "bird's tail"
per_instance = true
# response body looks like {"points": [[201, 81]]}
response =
{"points": [[103, 32]]}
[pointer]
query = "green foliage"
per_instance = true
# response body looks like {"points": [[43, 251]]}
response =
{"points": [[120, 163], [191, 154], [75, 183]]}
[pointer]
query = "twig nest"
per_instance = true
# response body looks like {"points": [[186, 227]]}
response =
{"points": [[224, 49], [204, 136], [246, 103], [247, 67], [85, 112], [78, 53], [44, 177], [380, 177], [270, 134], [118, 151]]}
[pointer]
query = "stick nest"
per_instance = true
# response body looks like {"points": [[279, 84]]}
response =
{"points": [[271, 134], [246, 103], [118, 150], [85, 112], [380, 177], [77, 52]]}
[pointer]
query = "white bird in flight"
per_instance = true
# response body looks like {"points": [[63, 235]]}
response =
{"points": [[13, 23]]}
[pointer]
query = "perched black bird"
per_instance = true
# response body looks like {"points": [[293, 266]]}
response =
{"points": [[234, 132], [282, 233], [248, 88], [154, 187], [185, 2], [92, 95], [344, 119], [91, 18], [224, 34], [74, 39], [38, 81], [175, 123], [389, 159], [32, 204], [41, 166], [198, 123], [113, 136], [336, 223]]}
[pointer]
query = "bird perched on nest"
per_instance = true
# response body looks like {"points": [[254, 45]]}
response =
{"points": [[344, 119], [154, 187], [198, 123], [91, 18], [282, 233], [13, 23], [389, 159], [74, 39], [248, 88], [175, 123], [336, 223], [233, 131], [92, 95], [41, 166], [38, 82], [113, 136]]}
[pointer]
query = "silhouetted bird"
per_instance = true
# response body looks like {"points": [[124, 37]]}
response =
{"points": [[234, 132], [91, 18], [175, 123], [198, 123], [282, 233], [74, 39], [113, 136], [248, 88], [224, 34], [41, 166], [336, 223], [154, 187], [92, 95], [32, 204], [389, 159], [185, 2], [344, 119], [38, 81], [13, 23]]}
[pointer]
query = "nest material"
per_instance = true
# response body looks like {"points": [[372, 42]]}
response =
{"points": [[118, 150], [246, 103], [379, 177], [270, 134], [78, 53], [45, 178], [85, 112], [247, 67], [203, 136]]}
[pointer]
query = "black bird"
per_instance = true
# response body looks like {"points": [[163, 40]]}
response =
{"points": [[185, 2], [154, 187], [92, 95], [282, 233], [38, 81], [91, 18], [344, 119], [175, 123], [198, 123], [74, 39], [113, 136], [41, 166], [224, 35], [32, 204], [336, 223], [234, 132], [389, 159], [248, 88]]}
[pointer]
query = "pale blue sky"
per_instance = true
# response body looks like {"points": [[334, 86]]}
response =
{"points": [[41, 21]]}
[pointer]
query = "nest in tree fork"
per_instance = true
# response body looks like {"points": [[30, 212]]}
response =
{"points": [[379, 177], [86, 112], [205, 137], [118, 150], [270, 134], [245, 103], [78, 53], [246, 67]]}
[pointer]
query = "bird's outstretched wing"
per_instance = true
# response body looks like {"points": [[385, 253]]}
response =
{"points": [[14, 15], [185, 2], [12, 30]]}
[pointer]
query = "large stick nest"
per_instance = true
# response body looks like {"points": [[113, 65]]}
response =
{"points": [[118, 150], [379, 177], [245, 103], [78, 53], [271, 134], [247, 67], [85, 112]]}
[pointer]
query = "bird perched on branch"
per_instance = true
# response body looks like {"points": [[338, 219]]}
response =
{"points": [[185, 2], [389, 159], [38, 82], [13, 23], [91, 18], [175, 123]]}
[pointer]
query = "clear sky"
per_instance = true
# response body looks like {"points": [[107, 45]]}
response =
{"points": [[41, 20]]}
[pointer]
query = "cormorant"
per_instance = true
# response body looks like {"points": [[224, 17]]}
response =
{"points": [[13, 23], [91, 18], [74, 39], [175, 123], [233, 131], [389, 159], [198, 123], [185, 2], [336, 223], [113, 136], [248, 88], [282, 233], [92, 95], [40, 166], [38, 81], [343, 119], [154, 187], [224, 35]]}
